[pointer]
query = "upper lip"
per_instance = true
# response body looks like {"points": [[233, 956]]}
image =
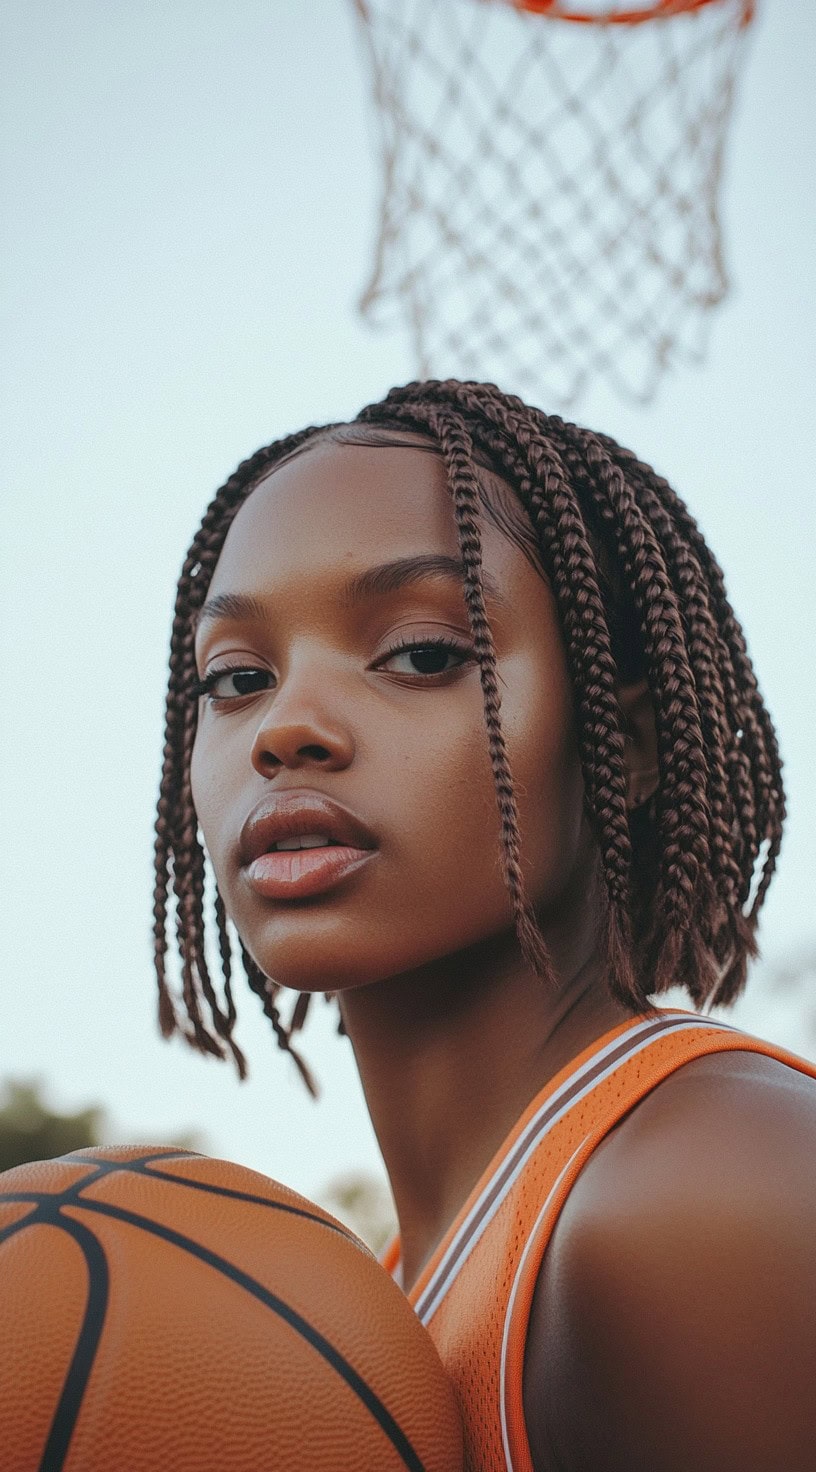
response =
{"points": [[294, 814]]}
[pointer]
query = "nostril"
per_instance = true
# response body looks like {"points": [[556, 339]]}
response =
{"points": [[316, 753]]}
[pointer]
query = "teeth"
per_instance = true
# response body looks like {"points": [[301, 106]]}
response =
{"points": [[308, 840]]}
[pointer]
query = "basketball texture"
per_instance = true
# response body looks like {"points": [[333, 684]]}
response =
{"points": [[162, 1310]]}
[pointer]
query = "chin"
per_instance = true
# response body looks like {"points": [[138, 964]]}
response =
{"points": [[312, 964], [332, 957]]}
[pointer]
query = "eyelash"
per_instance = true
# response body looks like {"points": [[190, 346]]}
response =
{"points": [[204, 687]]}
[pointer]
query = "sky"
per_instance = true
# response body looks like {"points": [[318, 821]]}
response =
{"points": [[190, 196]]}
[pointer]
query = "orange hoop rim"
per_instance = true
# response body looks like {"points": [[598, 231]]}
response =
{"points": [[658, 10]]}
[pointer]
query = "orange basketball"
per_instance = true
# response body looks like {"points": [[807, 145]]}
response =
{"points": [[164, 1312]]}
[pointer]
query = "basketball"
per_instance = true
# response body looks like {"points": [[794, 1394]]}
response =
{"points": [[165, 1310]]}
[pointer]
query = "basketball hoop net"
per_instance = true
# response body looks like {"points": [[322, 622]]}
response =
{"points": [[551, 184]]}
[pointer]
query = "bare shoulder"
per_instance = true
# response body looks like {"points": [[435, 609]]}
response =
{"points": [[673, 1322]]}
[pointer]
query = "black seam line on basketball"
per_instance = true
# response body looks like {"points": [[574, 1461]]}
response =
{"points": [[29, 1220], [54, 1198], [106, 1166], [82, 1360], [228, 1191], [74, 1192], [142, 1166], [284, 1311]]}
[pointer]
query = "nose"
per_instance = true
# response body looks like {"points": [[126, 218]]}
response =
{"points": [[296, 731]]}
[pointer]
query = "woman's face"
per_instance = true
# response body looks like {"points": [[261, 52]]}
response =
{"points": [[337, 710]]}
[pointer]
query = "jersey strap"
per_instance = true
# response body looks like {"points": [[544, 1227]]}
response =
{"points": [[475, 1294]]}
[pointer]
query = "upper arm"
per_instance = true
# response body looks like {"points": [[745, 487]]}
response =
{"points": [[674, 1325]]}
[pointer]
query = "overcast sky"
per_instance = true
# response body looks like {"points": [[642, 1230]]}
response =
{"points": [[190, 192]]}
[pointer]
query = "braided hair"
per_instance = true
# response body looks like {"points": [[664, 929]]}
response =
{"points": [[638, 594]]}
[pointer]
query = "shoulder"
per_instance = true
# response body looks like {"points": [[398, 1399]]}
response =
{"points": [[673, 1321]]}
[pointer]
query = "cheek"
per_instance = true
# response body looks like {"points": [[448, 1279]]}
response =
{"points": [[211, 795], [428, 791], [427, 787], [548, 781], [445, 813], [447, 825]]}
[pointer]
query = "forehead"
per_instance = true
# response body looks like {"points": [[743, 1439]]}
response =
{"points": [[343, 507]]}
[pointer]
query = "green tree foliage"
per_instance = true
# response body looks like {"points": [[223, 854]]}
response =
{"points": [[29, 1130]]}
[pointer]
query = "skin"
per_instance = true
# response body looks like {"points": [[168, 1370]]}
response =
{"points": [[673, 1323], [452, 1033]]}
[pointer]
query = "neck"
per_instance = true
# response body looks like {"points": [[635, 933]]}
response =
{"points": [[449, 1056]]}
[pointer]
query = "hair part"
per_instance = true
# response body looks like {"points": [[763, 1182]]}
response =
{"points": [[638, 593]]}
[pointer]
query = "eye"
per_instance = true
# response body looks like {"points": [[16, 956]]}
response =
{"points": [[232, 684], [425, 657]]}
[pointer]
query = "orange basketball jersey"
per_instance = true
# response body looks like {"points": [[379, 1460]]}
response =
{"points": [[475, 1293]]}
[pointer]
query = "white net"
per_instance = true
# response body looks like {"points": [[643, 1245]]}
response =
{"points": [[550, 189]]}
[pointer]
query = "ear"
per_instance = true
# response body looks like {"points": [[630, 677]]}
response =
{"points": [[641, 742]]}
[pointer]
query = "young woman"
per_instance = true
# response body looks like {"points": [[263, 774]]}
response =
{"points": [[468, 725]]}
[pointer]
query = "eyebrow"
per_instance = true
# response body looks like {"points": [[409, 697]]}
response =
{"points": [[374, 582]]}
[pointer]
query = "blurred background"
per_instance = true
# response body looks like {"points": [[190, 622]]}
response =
{"points": [[190, 197]]}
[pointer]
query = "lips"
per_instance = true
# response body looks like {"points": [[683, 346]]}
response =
{"points": [[296, 814]]}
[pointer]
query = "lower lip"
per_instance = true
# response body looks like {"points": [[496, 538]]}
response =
{"points": [[293, 874]]}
